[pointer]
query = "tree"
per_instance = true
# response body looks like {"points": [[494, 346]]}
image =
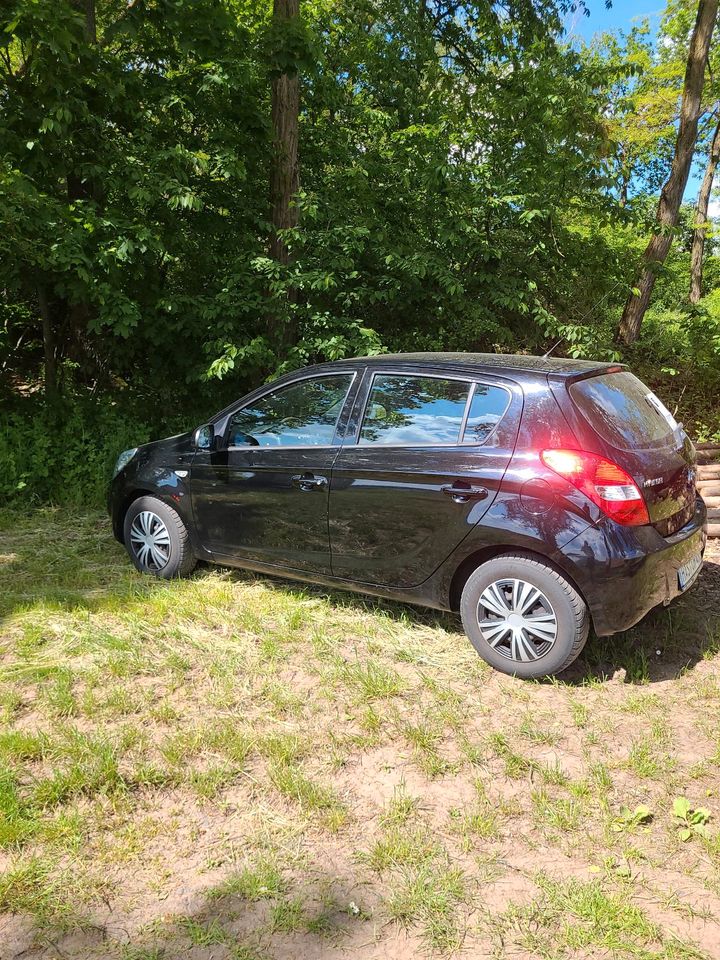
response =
{"points": [[701, 219], [642, 96], [459, 184], [284, 172], [134, 137], [672, 191]]}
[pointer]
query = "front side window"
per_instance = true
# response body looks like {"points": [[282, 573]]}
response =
{"points": [[298, 415], [413, 411]]}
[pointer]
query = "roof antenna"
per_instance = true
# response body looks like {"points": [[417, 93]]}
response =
{"points": [[594, 307], [552, 348]]}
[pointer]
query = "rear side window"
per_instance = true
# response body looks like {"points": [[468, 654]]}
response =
{"points": [[623, 411], [487, 408], [411, 411]]}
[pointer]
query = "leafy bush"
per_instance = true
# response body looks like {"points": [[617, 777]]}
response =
{"points": [[66, 456], [678, 354]]}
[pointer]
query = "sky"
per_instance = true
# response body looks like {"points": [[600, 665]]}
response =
{"points": [[622, 16], [619, 17]]}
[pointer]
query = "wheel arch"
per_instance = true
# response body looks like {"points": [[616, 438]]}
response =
{"points": [[467, 567], [125, 504]]}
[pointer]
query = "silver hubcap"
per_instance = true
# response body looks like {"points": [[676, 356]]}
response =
{"points": [[150, 540], [517, 620]]}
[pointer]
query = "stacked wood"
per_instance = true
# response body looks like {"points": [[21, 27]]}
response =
{"points": [[708, 483]]}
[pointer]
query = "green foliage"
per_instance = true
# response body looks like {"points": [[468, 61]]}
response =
{"points": [[440, 157], [691, 821], [66, 456], [123, 163], [470, 180], [628, 819]]}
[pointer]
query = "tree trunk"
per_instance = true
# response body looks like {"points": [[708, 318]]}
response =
{"points": [[87, 8], [624, 176], [284, 172], [48, 336], [77, 315], [701, 210], [672, 192]]}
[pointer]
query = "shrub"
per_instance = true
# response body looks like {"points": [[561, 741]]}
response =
{"points": [[66, 455]]}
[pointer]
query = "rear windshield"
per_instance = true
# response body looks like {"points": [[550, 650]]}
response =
{"points": [[624, 411]]}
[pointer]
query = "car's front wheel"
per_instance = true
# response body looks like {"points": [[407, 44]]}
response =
{"points": [[157, 539], [523, 617]]}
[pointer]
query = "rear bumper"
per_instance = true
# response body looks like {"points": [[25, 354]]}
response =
{"points": [[624, 572]]}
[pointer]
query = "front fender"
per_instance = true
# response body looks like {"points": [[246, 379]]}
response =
{"points": [[159, 470]]}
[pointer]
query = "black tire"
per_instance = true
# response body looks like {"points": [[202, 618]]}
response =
{"points": [[571, 619], [175, 546]]}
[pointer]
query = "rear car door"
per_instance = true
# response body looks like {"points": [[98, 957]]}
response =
{"points": [[423, 457], [263, 496]]}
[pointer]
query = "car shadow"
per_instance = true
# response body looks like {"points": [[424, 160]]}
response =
{"points": [[206, 923], [97, 576], [666, 643]]}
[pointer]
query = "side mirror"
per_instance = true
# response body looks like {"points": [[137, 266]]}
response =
{"points": [[204, 437]]}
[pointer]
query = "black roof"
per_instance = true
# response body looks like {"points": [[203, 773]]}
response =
{"points": [[560, 366], [557, 367]]}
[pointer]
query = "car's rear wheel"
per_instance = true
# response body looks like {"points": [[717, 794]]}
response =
{"points": [[523, 617], [157, 539]]}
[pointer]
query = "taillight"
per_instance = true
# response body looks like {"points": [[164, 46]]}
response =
{"points": [[608, 486]]}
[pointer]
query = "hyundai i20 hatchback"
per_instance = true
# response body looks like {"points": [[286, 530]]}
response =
{"points": [[535, 496]]}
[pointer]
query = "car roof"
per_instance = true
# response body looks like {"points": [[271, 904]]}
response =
{"points": [[470, 363], [490, 362]]}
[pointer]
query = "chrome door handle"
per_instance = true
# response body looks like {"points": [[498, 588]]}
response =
{"points": [[462, 492], [308, 481]]}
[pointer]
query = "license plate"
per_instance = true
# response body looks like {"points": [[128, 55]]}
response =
{"points": [[688, 571]]}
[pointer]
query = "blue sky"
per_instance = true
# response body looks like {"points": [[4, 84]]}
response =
{"points": [[621, 16]]}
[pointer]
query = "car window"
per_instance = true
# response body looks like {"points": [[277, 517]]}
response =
{"points": [[413, 410], [487, 408], [298, 415], [624, 411]]}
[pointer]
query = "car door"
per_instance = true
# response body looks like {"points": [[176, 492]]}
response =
{"points": [[263, 495], [422, 461]]}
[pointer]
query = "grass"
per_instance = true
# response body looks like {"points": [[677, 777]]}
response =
{"points": [[259, 881], [573, 916], [249, 768]]}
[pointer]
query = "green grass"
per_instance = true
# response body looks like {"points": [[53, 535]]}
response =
{"points": [[571, 917], [429, 897], [287, 916], [232, 764], [259, 881], [556, 815], [291, 781], [372, 680]]}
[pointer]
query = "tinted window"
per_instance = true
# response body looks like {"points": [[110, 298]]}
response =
{"points": [[623, 410], [301, 414], [413, 410], [487, 407]]}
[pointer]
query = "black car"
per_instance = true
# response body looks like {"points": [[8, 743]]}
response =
{"points": [[536, 496]]}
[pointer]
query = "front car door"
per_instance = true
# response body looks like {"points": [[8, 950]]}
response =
{"points": [[422, 460], [263, 495]]}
